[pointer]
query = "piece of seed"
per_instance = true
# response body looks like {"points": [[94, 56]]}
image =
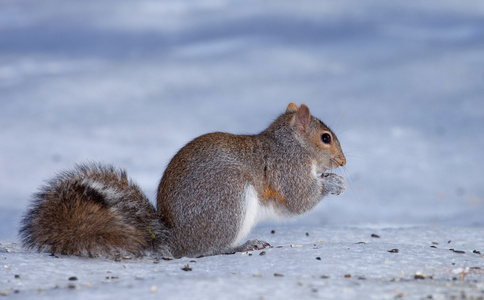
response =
{"points": [[167, 258], [375, 236], [318, 258], [307, 233], [262, 253], [278, 275], [347, 276], [73, 278], [273, 231], [187, 268], [476, 252], [420, 275], [17, 276], [457, 251], [393, 251]]}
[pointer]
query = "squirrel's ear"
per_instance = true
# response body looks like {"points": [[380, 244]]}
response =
{"points": [[303, 117], [291, 108]]}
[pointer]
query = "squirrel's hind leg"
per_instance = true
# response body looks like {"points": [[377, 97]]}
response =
{"points": [[251, 245]]}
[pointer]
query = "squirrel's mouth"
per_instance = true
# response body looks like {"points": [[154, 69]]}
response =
{"points": [[321, 170], [335, 162]]}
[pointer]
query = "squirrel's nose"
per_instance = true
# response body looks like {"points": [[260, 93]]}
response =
{"points": [[340, 160]]}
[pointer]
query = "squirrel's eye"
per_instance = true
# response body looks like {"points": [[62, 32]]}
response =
{"points": [[326, 138]]}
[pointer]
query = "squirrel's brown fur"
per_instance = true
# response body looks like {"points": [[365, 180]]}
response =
{"points": [[91, 211], [214, 190]]}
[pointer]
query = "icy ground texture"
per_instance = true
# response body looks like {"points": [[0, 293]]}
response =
{"points": [[328, 263]]}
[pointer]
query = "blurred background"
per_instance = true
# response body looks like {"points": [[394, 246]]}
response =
{"points": [[130, 82]]}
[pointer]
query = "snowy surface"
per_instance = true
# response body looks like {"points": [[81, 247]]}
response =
{"points": [[330, 263], [130, 82]]}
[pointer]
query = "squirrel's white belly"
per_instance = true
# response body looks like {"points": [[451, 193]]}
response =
{"points": [[253, 212]]}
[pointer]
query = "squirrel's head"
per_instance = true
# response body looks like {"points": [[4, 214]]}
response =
{"points": [[317, 138]]}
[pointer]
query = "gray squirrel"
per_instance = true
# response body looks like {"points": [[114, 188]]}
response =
{"points": [[213, 192]]}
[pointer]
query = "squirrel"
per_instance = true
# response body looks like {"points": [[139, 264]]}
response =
{"points": [[212, 193]]}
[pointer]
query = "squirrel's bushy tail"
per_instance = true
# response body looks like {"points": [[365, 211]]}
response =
{"points": [[94, 210]]}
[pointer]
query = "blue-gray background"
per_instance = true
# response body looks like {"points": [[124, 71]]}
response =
{"points": [[130, 82]]}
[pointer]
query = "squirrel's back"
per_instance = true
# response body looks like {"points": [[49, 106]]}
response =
{"points": [[93, 210]]}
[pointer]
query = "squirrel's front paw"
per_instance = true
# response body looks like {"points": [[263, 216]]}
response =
{"points": [[333, 184]]}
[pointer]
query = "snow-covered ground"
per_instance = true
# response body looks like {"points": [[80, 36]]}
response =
{"points": [[306, 262], [130, 82]]}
